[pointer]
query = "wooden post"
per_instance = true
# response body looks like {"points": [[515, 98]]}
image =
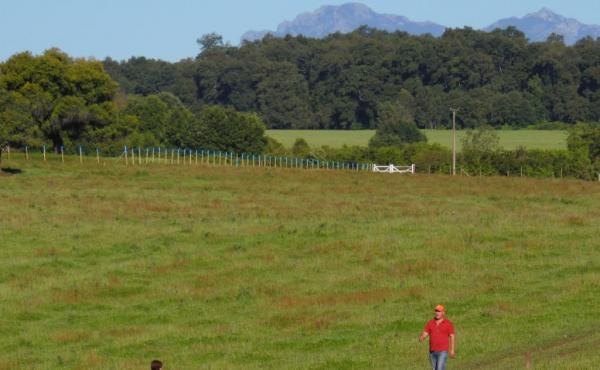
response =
{"points": [[126, 159], [453, 110], [80, 155], [147, 152], [98, 155], [196, 157], [26, 153], [62, 154], [152, 155], [8, 151], [139, 156], [44, 151]]}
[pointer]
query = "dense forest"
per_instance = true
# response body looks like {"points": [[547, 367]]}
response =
{"points": [[340, 82]]}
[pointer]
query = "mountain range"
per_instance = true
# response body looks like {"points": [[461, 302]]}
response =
{"points": [[348, 17]]}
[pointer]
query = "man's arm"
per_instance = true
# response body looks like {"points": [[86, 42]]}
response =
{"points": [[452, 343], [423, 336]]}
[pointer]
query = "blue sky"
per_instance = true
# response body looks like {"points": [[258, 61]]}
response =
{"points": [[168, 29]]}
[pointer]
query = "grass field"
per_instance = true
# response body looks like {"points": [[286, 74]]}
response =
{"points": [[245, 268], [531, 139]]}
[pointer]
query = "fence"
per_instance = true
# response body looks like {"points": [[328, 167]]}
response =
{"points": [[137, 156], [395, 169]]}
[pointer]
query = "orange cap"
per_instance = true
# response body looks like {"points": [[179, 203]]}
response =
{"points": [[439, 307]]}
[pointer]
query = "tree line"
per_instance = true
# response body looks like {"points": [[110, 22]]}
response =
{"points": [[495, 78], [60, 102], [226, 97]]}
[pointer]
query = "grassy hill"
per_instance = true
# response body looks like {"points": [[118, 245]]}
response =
{"points": [[531, 139], [216, 267]]}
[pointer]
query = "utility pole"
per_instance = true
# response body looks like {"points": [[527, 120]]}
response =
{"points": [[453, 110]]}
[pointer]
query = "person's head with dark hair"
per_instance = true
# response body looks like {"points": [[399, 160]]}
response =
{"points": [[156, 365]]}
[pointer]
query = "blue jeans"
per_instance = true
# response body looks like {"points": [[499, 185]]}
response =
{"points": [[438, 360]]}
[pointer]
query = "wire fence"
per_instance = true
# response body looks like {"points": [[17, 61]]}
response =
{"points": [[138, 156]]}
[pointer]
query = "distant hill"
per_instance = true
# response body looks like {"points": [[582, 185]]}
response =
{"points": [[539, 25], [346, 18]]}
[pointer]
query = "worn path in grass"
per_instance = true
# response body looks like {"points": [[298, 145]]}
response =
{"points": [[208, 267], [531, 139]]}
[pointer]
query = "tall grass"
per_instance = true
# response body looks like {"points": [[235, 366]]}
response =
{"points": [[107, 267]]}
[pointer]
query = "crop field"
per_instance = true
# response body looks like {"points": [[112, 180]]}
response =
{"points": [[207, 267], [530, 139]]}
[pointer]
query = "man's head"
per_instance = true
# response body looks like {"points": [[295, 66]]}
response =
{"points": [[439, 312], [156, 365]]}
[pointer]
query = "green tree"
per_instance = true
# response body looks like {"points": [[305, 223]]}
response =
{"points": [[54, 95], [300, 148], [283, 99], [224, 128], [163, 116], [478, 149], [209, 41], [584, 139], [394, 127]]}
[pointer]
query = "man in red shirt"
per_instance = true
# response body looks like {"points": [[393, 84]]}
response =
{"points": [[441, 339]]}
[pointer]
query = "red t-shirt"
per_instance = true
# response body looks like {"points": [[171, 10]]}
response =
{"points": [[439, 335]]}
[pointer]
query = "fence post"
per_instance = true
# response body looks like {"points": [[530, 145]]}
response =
{"points": [[26, 153], [8, 151], [80, 155], [98, 155], [62, 154]]}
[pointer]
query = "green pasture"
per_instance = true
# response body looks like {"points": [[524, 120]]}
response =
{"points": [[206, 267], [531, 139]]}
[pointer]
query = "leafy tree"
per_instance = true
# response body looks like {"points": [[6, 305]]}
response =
{"points": [[209, 41], [54, 96], [300, 148], [394, 129], [283, 99], [164, 117], [479, 148], [484, 139], [585, 139], [224, 128]]}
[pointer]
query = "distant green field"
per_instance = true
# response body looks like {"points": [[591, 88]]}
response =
{"points": [[531, 139]]}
